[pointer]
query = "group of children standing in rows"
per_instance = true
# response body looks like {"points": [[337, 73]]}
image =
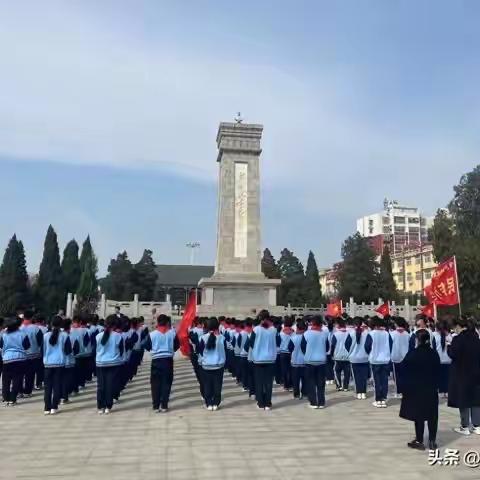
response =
{"points": [[305, 355], [65, 356], [302, 355]]}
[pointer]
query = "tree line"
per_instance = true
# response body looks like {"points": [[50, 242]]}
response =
{"points": [[47, 292], [456, 231], [298, 286]]}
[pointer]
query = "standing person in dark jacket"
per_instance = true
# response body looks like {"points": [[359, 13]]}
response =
{"points": [[464, 380], [420, 396]]}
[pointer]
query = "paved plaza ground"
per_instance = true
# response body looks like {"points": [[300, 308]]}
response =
{"points": [[350, 439]]}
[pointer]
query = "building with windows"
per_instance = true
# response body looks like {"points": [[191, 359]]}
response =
{"points": [[328, 280], [413, 269], [399, 226]]}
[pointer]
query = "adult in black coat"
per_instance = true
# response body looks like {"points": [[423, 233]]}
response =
{"points": [[464, 382], [420, 397]]}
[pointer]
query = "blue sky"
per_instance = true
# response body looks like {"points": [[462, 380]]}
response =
{"points": [[109, 111]]}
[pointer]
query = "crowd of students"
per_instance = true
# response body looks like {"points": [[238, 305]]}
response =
{"points": [[302, 355]]}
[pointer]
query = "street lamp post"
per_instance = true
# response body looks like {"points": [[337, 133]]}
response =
{"points": [[192, 246]]}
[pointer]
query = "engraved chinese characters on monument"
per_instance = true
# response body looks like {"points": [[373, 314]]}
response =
{"points": [[241, 210]]}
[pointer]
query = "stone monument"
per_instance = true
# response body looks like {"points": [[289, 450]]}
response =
{"points": [[238, 287]]}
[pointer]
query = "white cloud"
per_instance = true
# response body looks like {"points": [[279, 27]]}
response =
{"points": [[74, 91]]}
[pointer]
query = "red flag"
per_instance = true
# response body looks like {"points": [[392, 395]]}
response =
{"points": [[428, 310], [186, 323], [383, 309], [334, 309], [427, 291], [444, 286]]}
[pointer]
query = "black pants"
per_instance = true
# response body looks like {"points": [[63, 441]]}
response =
{"points": [[342, 366], [299, 383], [244, 372], [161, 379], [106, 386], [330, 375], [278, 371], [81, 365], [67, 382], [213, 381], [380, 378], [285, 365], [89, 367], [443, 379], [264, 373], [399, 372], [12, 377], [39, 373], [53, 387], [432, 429], [360, 376], [250, 378], [31, 366], [316, 384], [136, 359]]}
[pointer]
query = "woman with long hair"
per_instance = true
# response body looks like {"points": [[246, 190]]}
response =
{"points": [[359, 358]]}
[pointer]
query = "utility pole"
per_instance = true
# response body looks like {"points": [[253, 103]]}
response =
{"points": [[192, 246]]}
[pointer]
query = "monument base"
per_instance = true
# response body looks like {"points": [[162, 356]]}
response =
{"points": [[237, 295]]}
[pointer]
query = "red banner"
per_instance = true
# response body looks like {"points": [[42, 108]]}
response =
{"points": [[383, 309], [186, 323], [444, 287], [428, 310], [334, 309]]}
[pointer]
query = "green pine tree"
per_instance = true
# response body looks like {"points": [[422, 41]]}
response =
{"points": [[71, 267], [88, 285], [14, 289], [312, 282], [442, 235], [292, 289], [387, 285], [119, 283], [50, 289], [358, 276], [269, 265], [145, 276]]}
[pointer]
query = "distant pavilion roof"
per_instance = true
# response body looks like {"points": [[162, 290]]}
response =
{"points": [[182, 275]]}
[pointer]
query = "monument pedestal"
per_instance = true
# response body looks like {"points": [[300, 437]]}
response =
{"points": [[238, 287], [237, 296]]}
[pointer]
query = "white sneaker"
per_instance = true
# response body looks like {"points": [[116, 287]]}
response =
{"points": [[462, 430], [163, 410], [359, 396], [321, 407], [107, 411], [267, 409], [46, 412], [364, 396], [476, 430], [215, 408], [312, 406], [210, 408], [384, 404], [53, 411], [377, 404], [100, 411]]}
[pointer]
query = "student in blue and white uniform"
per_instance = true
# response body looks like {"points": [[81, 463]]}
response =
{"points": [[69, 371], [56, 346], [264, 341], [109, 358], [400, 347], [88, 360], [80, 334], [358, 357], [378, 345], [162, 343], [39, 321], [285, 355], [249, 324], [297, 359], [443, 338], [237, 349], [330, 374], [34, 353], [341, 343], [244, 356], [315, 346], [14, 344], [212, 347]]}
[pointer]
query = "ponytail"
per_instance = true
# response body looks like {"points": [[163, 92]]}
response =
{"points": [[54, 336], [110, 323], [56, 324], [211, 342], [105, 336]]}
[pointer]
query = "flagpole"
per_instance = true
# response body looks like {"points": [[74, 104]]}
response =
{"points": [[435, 311], [458, 286]]}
